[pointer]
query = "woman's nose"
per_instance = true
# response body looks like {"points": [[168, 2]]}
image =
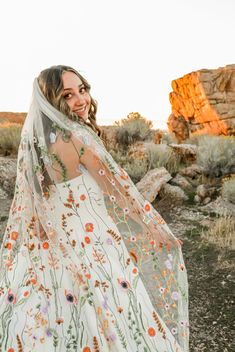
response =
{"points": [[79, 99]]}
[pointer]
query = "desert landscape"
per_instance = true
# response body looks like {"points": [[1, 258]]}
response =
{"points": [[188, 174]]}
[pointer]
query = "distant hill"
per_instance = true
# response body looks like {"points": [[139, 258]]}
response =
{"points": [[12, 117]]}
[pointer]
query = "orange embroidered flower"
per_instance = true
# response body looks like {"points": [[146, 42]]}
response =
{"points": [[83, 197], [59, 321], [26, 293], [120, 310], [14, 235], [147, 207], [88, 276], [33, 281], [8, 246], [10, 349], [45, 245], [135, 271], [86, 349], [87, 239], [89, 227], [151, 331]]}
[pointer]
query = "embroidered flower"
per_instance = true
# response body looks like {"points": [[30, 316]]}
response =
{"points": [[59, 321], [40, 177], [11, 297], [14, 235], [147, 207], [162, 289], [175, 295], [168, 264], [87, 239], [86, 349], [49, 223], [52, 137], [133, 239], [109, 241], [45, 245], [70, 297], [112, 182], [112, 198], [125, 285], [151, 331], [135, 271], [167, 306], [101, 172], [83, 197], [89, 227], [126, 210], [170, 256], [174, 331]]}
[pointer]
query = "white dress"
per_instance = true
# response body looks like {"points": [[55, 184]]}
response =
{"points": [[99, 304]]}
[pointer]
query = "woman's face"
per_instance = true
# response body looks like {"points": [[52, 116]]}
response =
{"points": [[76, 95]]}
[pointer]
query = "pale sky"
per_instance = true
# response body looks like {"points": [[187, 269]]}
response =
{"points": [[129, 50]]}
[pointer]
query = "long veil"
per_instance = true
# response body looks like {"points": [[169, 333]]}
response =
{"points": [[50, 145]]}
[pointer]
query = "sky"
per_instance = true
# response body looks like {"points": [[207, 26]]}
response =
{"points": [[128, 50]]}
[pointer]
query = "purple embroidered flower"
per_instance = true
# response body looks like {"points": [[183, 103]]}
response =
{"points": [[168, 264], [112, 337], [175, 296], [170, 256], [109, 241], [48, 332]]}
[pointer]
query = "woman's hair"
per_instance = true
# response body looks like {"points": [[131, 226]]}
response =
{"points": [[51, 84]]}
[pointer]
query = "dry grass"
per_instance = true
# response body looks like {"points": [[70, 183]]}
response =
{"points": [[228, 190], [222, 233], [9, 138]]}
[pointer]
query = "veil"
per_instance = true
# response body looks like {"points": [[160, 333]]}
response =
{"points": [[55, 150]]}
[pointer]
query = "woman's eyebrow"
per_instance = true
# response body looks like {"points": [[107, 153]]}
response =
{"points": [[80, 85]]}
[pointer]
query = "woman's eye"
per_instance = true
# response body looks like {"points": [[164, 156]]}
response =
{"points": [[68, 96], [83, 90]]}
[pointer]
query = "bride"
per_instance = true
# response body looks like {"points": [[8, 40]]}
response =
{"points": [[87, 264]]}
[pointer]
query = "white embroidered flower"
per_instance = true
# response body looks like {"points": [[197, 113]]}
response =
{"points": [[52, 137], [162, 289], [112, 182], [41, 177], [167, 306], [126, 210], [174, 331], [132, 238], [101, 172], [170, 256], [112, 198], [49, 223]]}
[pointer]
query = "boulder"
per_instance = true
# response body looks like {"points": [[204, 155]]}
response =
{"points": [[180, 181], [174, 193], [193, 171], [203, 102], [150, 185], [187, 152]]}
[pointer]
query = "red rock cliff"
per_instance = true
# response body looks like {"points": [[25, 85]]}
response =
{"points": [[203, 102]]}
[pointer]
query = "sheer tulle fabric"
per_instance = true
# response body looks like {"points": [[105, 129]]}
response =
{"points": [[82, 243]]}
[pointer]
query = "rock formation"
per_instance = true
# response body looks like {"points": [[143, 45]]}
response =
{"points": [[203, 102]]}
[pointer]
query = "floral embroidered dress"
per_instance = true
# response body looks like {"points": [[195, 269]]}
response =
{"points": [[86, 263]]}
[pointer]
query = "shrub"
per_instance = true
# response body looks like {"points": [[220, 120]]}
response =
{"points": [[222, 233], [10, 138], [161, 155], [216, 154], [228, 190], [133, 128]]}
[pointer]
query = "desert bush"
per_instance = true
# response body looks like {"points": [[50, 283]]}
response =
{"points": [[228, 190], [160, 155], [136, 169], [222, 233], [9, 138], [133, 128], [216, 154]]}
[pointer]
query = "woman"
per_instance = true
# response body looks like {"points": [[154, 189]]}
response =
{"points": [[86, 263]]}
